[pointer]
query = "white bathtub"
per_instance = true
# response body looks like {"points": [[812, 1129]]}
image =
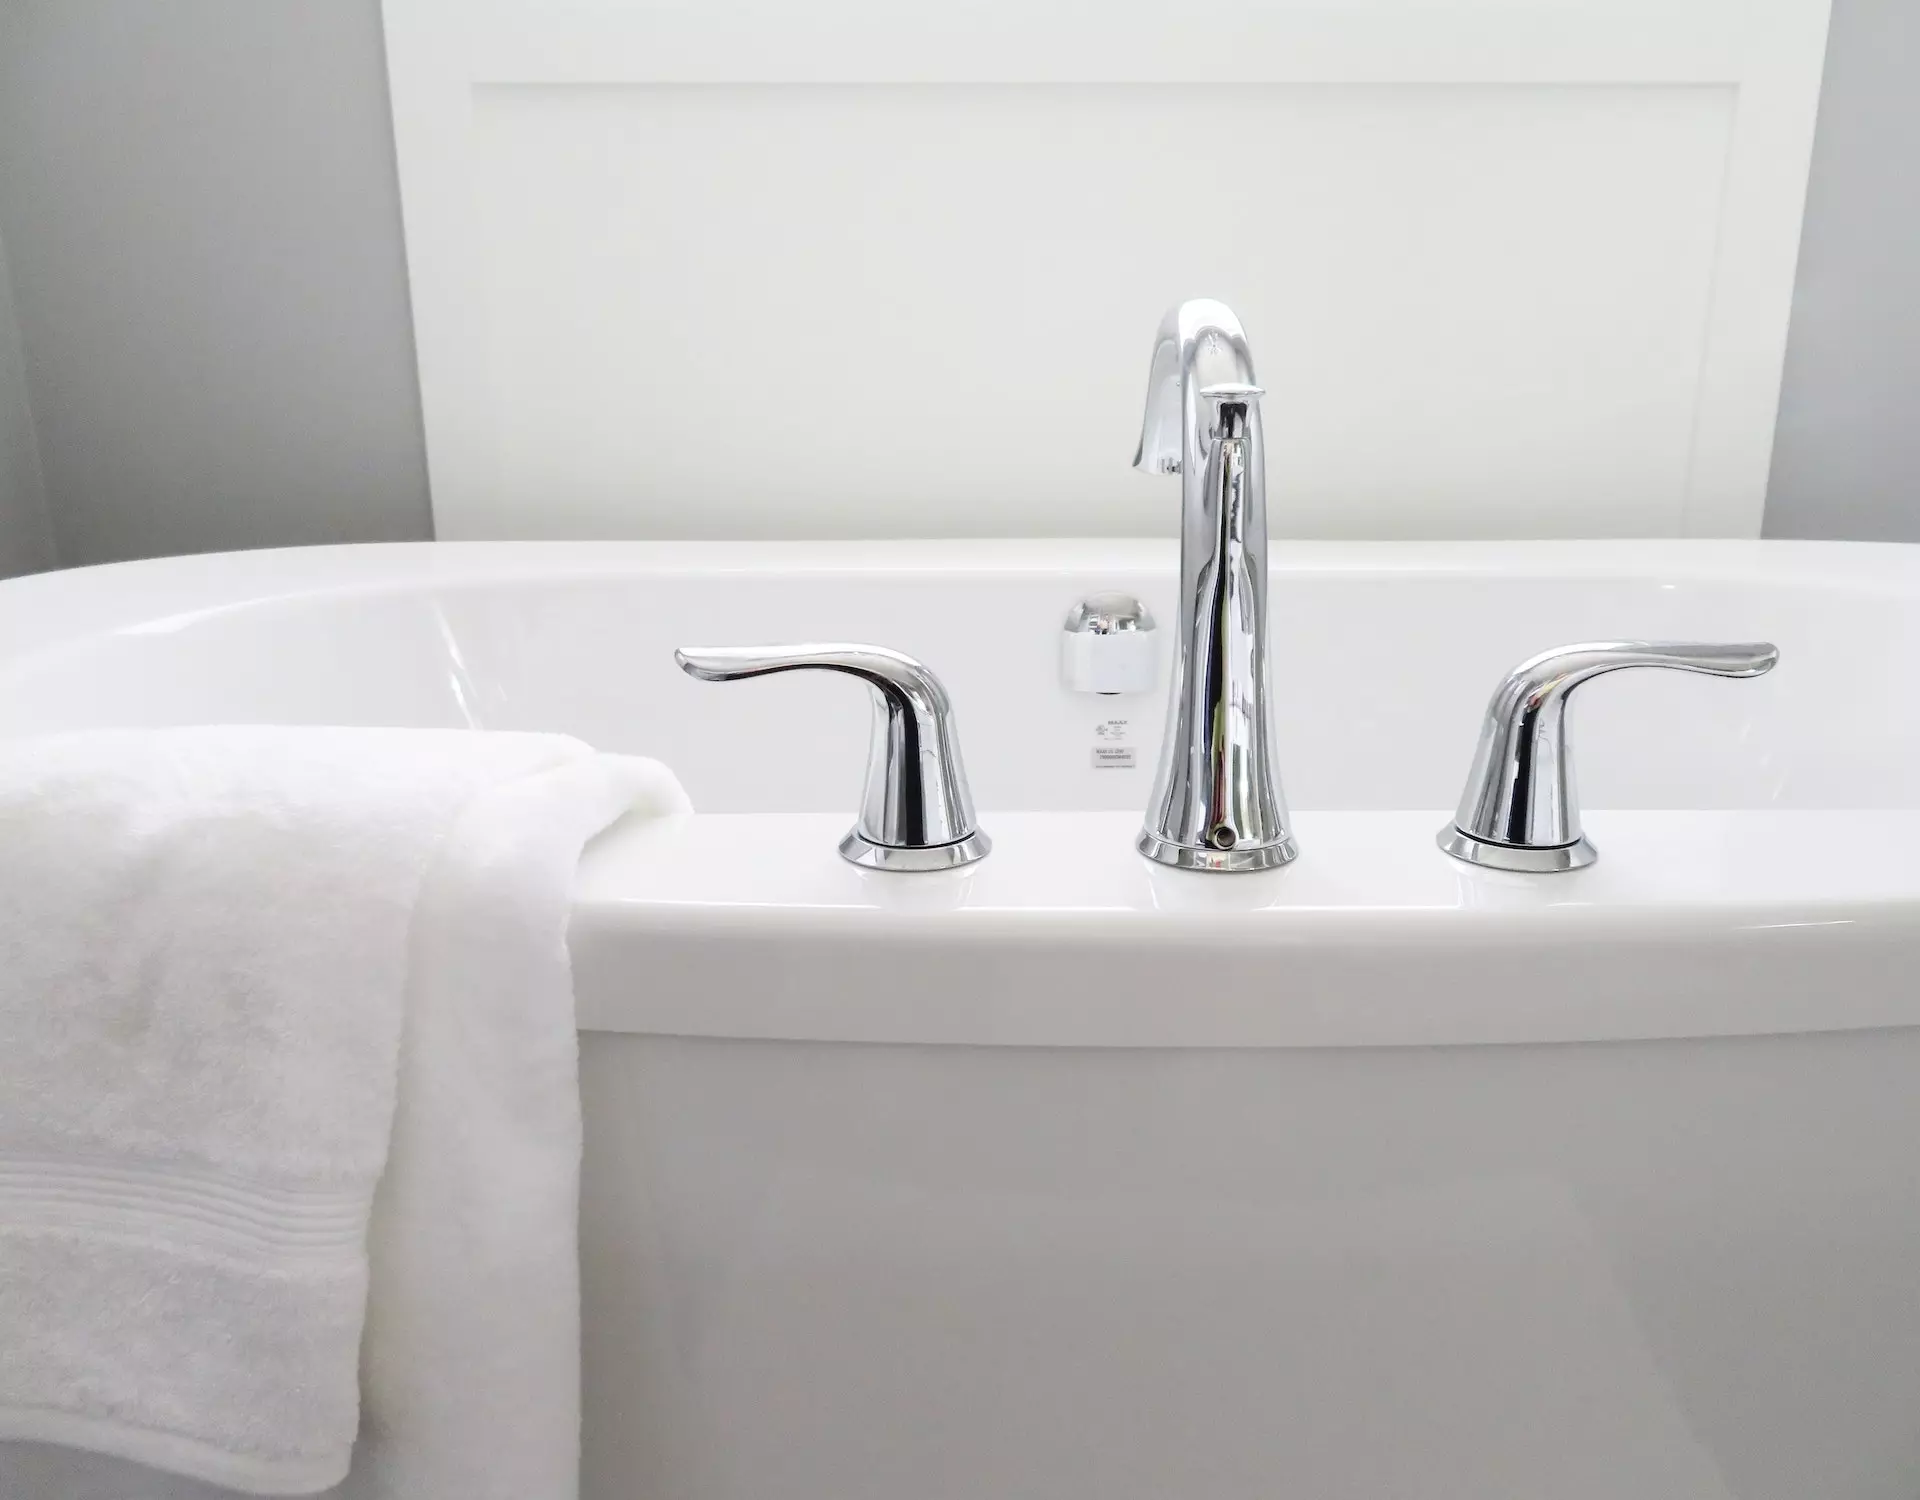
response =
{"points": [[1069, 1175]]}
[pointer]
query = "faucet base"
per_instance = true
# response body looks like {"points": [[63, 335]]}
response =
{"points": [[1526, 859], [917, 858], [1190, 857]]}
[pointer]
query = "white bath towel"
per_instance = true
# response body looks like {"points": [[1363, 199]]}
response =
{"points": [[248, 977]]}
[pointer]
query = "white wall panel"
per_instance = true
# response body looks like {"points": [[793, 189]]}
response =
{"points": [[707, 271]]}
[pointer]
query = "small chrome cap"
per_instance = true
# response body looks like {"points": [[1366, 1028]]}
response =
{"points": [[1108, 614], [1110, 646]]}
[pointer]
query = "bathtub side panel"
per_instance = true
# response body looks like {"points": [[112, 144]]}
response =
{"points": [[863, 1272]]}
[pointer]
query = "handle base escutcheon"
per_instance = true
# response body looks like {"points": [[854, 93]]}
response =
{"points": [[868, 855], [1553, 859]]}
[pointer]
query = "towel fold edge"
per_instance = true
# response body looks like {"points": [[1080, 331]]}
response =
{"points": [[170, 1451]]}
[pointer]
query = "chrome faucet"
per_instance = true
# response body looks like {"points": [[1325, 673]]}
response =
{"points": [[916, 812], [1519, 811], [1217, 803]]}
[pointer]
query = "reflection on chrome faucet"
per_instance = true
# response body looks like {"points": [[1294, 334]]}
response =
{"points": [[1217, 803]]}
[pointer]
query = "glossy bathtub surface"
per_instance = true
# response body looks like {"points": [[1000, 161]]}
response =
{"points": [[1762, 839], [1383, 658], [1066, 1175]]}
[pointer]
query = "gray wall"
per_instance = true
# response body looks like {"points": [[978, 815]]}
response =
{"points": [[200, 202], [26, 540], [203, 219], [1846, 453]]}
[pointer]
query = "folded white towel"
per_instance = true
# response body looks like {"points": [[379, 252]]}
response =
{"points": [[224, 955]]}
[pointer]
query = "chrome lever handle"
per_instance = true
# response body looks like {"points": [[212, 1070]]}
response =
{"points": [[1519, 811], [916, 812]]}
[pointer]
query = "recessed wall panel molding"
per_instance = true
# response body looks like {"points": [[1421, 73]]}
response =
{"points": [[858, 268]]}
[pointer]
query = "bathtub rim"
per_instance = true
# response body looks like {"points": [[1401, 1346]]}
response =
{"points": [[1854, 901]]}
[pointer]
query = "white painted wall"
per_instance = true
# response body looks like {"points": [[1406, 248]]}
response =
{"points": [[726, 270], [290, 111], [26, 539], [927, 310]]}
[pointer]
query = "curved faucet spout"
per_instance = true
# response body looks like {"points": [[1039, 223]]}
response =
{"points": [[1217, 803], [1200, 343]]}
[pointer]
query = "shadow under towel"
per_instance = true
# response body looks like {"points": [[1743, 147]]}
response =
{"points": [[270, 998]]}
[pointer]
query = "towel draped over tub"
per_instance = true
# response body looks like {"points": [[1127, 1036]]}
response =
{"points": [[289, 1116]]}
